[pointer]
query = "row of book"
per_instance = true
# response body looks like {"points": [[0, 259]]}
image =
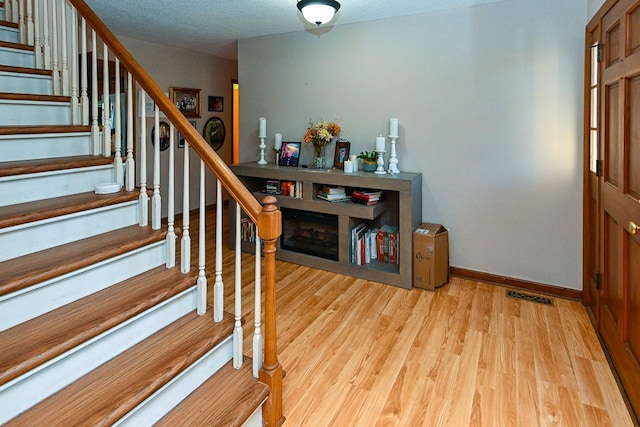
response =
{"points": [[374, 244], [340, 194], [248, 230], [284, 188]]}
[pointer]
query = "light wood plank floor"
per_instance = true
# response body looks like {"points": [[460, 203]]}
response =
{"points": [[360, 353]]}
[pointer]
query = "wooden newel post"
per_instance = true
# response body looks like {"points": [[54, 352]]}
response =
{"points": [[269, 230]]}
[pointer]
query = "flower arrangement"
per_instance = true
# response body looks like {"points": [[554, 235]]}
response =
{"points": [[320, 134], [368, 156]]}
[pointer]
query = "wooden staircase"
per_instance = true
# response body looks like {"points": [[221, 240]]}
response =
{"points": [[95, 329]]}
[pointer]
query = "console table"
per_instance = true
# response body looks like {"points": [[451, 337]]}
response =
{"points": [[401, 206]]}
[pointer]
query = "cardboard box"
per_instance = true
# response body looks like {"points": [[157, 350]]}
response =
{"points": [[430, 256]]}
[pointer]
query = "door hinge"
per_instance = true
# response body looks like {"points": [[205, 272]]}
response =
{"points": [[599, 52], [596, 279], [599, 165]]}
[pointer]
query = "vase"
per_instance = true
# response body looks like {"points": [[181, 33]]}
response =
{"points": [[369, 167], [320, 161]]}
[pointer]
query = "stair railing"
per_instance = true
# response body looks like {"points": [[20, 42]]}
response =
{"points": [[59, 31]]}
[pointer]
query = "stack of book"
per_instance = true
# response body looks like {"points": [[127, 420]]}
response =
{"points": [[374, 244], [387, 244], [332, 194], [291, 189], [248, 229], [366, 197], [272, 186]]}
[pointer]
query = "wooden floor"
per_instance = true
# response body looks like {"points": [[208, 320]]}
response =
{"points": [[360, 353]]}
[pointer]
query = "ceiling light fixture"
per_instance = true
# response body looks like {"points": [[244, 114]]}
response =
{"points": [[318, 11]]}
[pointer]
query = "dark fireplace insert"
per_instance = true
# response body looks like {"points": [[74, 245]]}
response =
{"points": [[310, 233]]}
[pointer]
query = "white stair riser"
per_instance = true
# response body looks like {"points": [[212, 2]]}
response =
{"points": [[255, 420], [34, 84], [44, 146], [34, 113], [47, 185], [9, 34], [17, 57], [24, 305], [2, 14], [28, 390], [160, 403], [39, 235]]}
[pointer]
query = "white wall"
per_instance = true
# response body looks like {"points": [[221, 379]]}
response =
{"points": [[489, 100], [183, 68], [594, 5]]}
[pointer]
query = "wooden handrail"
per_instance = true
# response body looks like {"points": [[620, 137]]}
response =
{"points": [[232, 184]]}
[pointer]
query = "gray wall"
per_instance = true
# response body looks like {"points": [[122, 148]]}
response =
{"points": [[183, 68], [594, 5], [489, 100]]}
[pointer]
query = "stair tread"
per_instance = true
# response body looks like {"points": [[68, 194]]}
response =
{"points": [[31, 97], [34, 130], [20, 46], [21, 167], [43, 338], [22, 272], [23, 213], [207, 406], [4, 23], [149, 365]]}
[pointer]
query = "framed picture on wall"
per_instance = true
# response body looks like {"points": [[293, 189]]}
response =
{"points": [[214, 132], [216, 103], [290, 154], [187, 100], [342, 153], [163, 136], [181, 140]]}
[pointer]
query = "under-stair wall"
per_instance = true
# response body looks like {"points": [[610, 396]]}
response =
{"points": [[103, 308]]}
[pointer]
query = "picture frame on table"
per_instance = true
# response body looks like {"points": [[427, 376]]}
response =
{"points": [[343, 147], [290, 154], [216, 103], [181, 140], [187, 100]]}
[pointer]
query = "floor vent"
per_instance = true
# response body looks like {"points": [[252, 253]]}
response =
{"points": [[529, 297]]}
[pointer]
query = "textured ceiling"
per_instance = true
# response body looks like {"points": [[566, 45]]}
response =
{"points": [[214, 26]]}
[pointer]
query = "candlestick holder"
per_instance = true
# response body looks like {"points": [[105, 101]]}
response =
{"points": [[380, 169], [393, 159], [262, 146], [275, 161]]}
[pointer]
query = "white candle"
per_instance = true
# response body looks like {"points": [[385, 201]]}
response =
{"points": [[278, 144], [393, 127], [380, 140], [354, 162], [348, 166], [263, 128]]}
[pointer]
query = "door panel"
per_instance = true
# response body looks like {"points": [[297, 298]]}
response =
{"points": [[633, 156], [611, 152], [612, 295]]}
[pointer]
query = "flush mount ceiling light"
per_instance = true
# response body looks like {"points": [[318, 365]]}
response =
{"points": [[318, 11]]}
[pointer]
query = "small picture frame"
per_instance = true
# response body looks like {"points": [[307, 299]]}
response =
{"points": [[290, 154], [187, 100], [216, 103], [342, 153], [181, 140]]}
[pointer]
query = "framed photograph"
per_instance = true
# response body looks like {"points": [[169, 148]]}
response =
{"points": [[342, 153], [187, 100], [216, 103], [165, 130], [181, 140], [290, 154], [214, 132]]}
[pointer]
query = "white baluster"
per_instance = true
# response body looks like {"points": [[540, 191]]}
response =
{"points": [[143, 200], [117, 161], [185, 260], [106, 106], [45, 28], [54, 49], [14, 10], [64, 62], [257, 334], [29, 23], [237, 311], [130, 174], [8, 13], [75, 101], [95, 127], [202, 279], [171, 234], [22, 30], [156, 206], [84, 92], [37, 41], [218, 288]]}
